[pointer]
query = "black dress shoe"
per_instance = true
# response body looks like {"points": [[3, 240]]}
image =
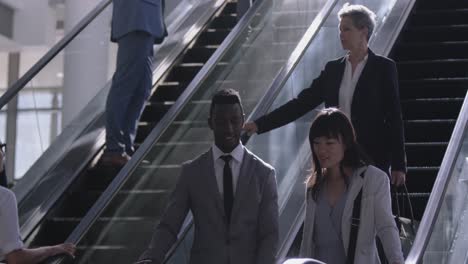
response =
{"points": [[110, 159]]}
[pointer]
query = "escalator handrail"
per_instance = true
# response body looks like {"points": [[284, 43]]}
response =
{"points": [[17, 86], [93, 116], [162, 125], [282, 77], [440, 187]]}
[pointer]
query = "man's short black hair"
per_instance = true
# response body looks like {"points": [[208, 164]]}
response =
{"points": [[226, 96]]}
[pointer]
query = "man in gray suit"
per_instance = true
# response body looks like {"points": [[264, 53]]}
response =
{"points": [[136, 26], [231, 194]]}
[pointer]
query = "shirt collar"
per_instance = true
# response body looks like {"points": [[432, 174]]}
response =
{"points": [[364, 60], [237, 153]]}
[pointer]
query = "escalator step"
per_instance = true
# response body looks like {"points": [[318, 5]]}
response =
{"points": [[224, 22], [440, 88], [423, 109], [184, 73], [440, 17], [427, 154], [432, 50], [420, 69], [212, 37], [436, 33], [421, 179], [199, 54], [154, 111], [168, 91], [435, 4], [440, 130]]}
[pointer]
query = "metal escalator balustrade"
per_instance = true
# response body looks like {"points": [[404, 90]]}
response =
{"points": [[50, 186], [140, 190], [288, 150], [85, 190]]}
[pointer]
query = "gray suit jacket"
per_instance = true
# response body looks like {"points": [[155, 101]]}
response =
{"points": [[251, 237], [138, 15], [376, 219]]}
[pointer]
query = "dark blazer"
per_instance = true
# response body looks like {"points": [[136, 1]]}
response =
{"points": [[375, 108], [138, 15], [252, 235]]}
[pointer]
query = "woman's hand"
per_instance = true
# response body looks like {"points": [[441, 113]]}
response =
{"points": [[67, 248], [250, 127]]}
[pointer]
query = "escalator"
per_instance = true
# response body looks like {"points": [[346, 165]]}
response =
{"points": [[91, 182], [432, 58], [63, 187], [53, 202], [119, 225], [431, 54]]}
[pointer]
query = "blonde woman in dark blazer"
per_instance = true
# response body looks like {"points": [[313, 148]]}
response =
{"points": [[362, 84], [340, 172]]}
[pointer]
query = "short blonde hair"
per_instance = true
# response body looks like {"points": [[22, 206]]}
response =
{"points": [[361, 16]]}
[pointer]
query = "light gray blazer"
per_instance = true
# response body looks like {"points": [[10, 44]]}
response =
{"points": [[138, 15], [376, 219], [251, 237]]}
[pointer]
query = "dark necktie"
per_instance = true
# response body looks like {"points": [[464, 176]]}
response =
{"points": [[227, 183]]}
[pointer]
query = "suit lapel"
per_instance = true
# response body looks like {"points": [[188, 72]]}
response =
{"points": [[366, 75], [212, 183], [355, 186], [334, 88], [245, 174]]}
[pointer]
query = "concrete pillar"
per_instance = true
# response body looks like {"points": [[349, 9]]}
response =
{"points": [[85, 58], [12, 117]]}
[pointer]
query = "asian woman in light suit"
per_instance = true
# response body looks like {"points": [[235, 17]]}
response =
{"points": [[340, 171]]}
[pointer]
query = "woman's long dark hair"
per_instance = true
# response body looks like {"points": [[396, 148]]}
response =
{"points": [[332, 123]]}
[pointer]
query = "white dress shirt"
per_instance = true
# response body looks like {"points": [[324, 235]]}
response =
{"points": [[10, 239], [348, 84], [235, 164]]}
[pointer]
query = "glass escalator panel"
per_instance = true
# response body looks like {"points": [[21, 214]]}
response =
{"points": [[251, 63], [287, 148], [69, 155]]}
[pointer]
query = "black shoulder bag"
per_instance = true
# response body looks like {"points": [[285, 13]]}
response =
{"points": [[355, 221]]}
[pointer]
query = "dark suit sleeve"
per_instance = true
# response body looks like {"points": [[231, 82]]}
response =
{"points": [[268, 222], [394, 119], [307, 100], [167, 230]]}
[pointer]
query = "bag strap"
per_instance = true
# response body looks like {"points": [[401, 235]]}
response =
{"points": [[405, 195], [355, 221]]}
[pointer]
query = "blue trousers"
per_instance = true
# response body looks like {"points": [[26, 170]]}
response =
{"points": [[131, 87]]}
